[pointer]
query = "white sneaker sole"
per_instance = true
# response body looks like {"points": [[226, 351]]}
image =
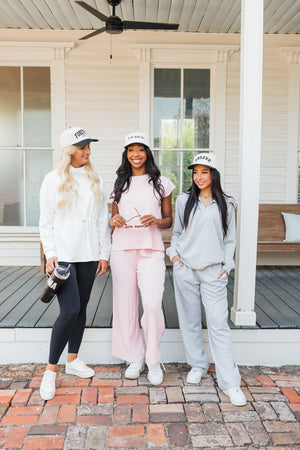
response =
{"points": [[156, 383], [47, 396], [194, 381], [79, 374], [135, 376], [236, 403]]}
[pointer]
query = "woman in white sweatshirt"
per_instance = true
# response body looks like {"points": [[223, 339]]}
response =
{"points": [[74, 230]]}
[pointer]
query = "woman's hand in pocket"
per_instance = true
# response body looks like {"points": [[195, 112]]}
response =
{"points": [[175, 259], [222, 273]]}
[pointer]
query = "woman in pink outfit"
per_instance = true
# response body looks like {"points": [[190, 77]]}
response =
{"points": [[141, 209]]}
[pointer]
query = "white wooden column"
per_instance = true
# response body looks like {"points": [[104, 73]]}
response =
{"points": [[293, 55], [242, 312], [58, 94], [218, 126], [145, 94]]}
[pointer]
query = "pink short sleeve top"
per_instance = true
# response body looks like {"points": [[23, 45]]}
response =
{"points": [[139, 200]]}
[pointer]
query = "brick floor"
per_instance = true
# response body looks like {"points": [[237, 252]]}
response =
{"points": [[110, 412]]}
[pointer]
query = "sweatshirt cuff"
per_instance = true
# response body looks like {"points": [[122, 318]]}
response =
{"points": [[50, 254], [228, 267], [104, 255], [170, 252]]}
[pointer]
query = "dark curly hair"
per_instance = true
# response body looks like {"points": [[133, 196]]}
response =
{"points": [[124, 174]]}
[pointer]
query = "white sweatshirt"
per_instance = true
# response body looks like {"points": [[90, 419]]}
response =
{"points": [[81, 232]]}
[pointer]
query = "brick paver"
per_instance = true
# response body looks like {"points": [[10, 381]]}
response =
{"points": [[110, 412]]}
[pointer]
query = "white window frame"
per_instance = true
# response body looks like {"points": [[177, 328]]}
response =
{"points": [[212, 57], [212, 90], [40, 54]]}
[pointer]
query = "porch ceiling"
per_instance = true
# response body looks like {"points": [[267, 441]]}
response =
{"points": [[203, 16]]}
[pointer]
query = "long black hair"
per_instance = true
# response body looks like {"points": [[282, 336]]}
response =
{"points": [[217, 194], [124, 174]]}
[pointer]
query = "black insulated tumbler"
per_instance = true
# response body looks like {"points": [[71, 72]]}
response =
{"points": [[57, 278]]}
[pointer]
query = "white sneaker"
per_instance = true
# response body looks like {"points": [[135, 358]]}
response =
{"points": [[134, 370], [194, 376], [155, 373], [79, 368], [236, 396], [47, 388]]}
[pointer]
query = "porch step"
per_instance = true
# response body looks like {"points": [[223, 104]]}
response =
{"points": [[266, 347]]}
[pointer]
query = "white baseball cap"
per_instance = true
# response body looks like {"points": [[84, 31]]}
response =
{"points": [[136, 138], [204, 159], [75, 136]]}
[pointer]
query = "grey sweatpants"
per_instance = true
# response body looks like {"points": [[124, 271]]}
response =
{"points": [[192, 286]]}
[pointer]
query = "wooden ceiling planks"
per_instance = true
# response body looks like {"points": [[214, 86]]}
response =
{"points": [[14, 14], [20, 9], [87, 20], [47, 14], [175, 12], [6, 19], [285, 13], [197, 17], [139, 10], [204, 16], [292, 26], [105, 8], [127, 10], [152, 11], [70, 14], [211, 12], [164, 8], [186, 14], [225, 17], [35, 13]]}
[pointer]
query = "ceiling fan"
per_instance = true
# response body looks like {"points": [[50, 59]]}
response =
{"points": [[114, 25]]}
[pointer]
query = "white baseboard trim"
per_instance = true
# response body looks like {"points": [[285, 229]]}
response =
{"points": [[271, 347]]}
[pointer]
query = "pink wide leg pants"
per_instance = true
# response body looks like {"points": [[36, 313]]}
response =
{"points": [[134, 270]]}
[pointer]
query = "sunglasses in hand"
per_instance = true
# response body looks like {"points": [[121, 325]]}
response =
{"points": [[131, 218]]}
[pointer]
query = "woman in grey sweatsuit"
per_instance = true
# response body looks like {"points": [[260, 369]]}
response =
{"points": [[202, 249]]}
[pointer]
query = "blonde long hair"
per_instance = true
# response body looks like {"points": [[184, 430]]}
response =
{"points": [[67, 188]]}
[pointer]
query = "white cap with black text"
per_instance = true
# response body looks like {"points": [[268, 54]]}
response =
{"points": [[136, 138], [75, 136], [204, 159]]}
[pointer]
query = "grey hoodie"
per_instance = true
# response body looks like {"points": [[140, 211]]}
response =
{"points": [[202, 243]]}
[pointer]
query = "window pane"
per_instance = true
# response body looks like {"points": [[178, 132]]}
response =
{"points": [[187, 173], [11, 187], [38, 164], [166, 127], [169, 163], [196, 95], [37, 107], [10, 107]]}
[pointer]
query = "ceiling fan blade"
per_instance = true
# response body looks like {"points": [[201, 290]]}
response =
{"points": [[92, 11], [131, 25], [87, 36]]}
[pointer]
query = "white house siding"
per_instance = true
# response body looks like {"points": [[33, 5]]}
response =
{"points": [[103, 96], [274, 121]]}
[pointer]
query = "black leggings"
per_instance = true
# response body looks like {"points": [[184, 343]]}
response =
{"points": [[73, 299]]}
